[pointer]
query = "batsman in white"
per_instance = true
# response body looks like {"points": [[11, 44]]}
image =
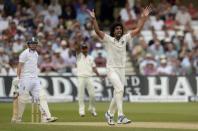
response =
{"points": [[85, 69], [115, 45], [29, 83]]}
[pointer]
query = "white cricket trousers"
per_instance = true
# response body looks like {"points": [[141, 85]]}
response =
{"points": [[33, 86], [117, 78], [85, 82]]}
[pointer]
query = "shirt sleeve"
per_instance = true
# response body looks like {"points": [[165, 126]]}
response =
{"points": [[107, 39], [128, 37], [92, 62], [23, 57]]}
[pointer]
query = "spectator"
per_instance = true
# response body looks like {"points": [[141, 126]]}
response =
{"points": [[56, 45], [4, 58], [68, 56], [100, 61], [98, 49], [47, 66], [68, 13], [12, 71], [183, 51], [181, 14], [170, 22], [51, 21], [48, 47], [82, 15], [137, 7], [39, 6], [18, 45], [164, 68], [188, 38], [150, 68], [171, 53], [12, 30], [70, 62], [56, 7], [195, 59], [174, 8], [4, 23], [177, 69], [45, 11], [148, 59], [32, 10], [128, 16], [157, 23], [3, 71], [187, 63], [193, 11], [156, 49], [58, 62], [178, 40], [139, 50], [64, 50]]}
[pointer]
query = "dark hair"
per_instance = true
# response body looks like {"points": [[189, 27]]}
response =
{"points": [[113, 26]]}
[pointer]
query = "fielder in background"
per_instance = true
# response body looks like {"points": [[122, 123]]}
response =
{"points": [[27, 74], [85, 69], [115, 45]]}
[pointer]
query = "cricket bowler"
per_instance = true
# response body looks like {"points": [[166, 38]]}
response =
{"points": [[115, 45]]}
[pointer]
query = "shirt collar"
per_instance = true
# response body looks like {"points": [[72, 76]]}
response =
{"points": [[31, 51]]}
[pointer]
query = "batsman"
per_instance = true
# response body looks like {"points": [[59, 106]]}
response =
{"points": [[29, 83]]}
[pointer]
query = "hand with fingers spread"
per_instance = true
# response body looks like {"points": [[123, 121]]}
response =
{"points": [[144, 16], [91, 13], [95, 24], [146, 12]]}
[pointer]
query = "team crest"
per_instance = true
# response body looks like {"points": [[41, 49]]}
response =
{"points": [[122, 42]]}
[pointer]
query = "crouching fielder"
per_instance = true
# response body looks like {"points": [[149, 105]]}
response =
{"points": [[30, 83], [85, 69]]}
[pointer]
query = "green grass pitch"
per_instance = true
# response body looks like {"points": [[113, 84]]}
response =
{"points": [[138, 112]]}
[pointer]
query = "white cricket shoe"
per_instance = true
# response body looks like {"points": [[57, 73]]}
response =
{"points": [[82, 113], [123, 120], [16, 120], [51, 119], [93, 112], [109, 119]]}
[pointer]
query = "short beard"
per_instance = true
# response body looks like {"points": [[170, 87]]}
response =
{"points": [[118, 37], [32, 49]]}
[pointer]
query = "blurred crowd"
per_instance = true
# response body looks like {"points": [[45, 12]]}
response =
{"points": [[168, 44]]}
